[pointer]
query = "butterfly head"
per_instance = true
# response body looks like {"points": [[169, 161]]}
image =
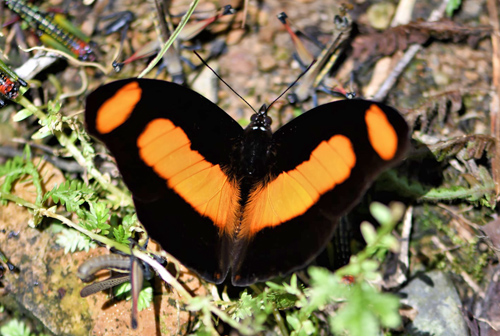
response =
{"points": [[260, 120]]}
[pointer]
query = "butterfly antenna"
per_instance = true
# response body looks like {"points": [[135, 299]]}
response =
{"points": [[223, 81], [291, 85]]}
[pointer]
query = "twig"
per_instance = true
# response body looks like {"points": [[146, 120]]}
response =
{"points": [[408, 56], [69, 145], [171, 40], [34, 66], [403, 13], [245, 12], [68, 166], [162, 271], [495, 101], [69, 58], [460, 218], [399, 277], [81, 90], [467, 278]]}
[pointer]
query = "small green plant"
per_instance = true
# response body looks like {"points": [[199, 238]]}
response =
{"points": [[355, 307], [72, 240], [124, 291], [452, 6], [17, 328]]}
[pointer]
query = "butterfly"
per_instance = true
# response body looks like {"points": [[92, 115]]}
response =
{"points": [[243, 204]]}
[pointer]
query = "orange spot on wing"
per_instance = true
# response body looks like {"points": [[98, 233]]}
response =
{"points": [[293, 192], [382, 135], [117, 109], [167, 149]]}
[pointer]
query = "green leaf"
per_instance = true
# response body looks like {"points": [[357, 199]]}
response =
{"points": [[15, 328], [53, 107], [243, 311], [129, 221], [21, 115], [96, 219], [390, 243], [324, 287], [293, 322], [243, 122], [297, 112], [308, 327], [122, 232], [17, 168], [198, 303], [41, 133], [452, 6], [366, 311], [123, 289], [381, 213], [73, 241], [368, 232], [121, 235], [145, 297], [71, 194], [281, 299]]}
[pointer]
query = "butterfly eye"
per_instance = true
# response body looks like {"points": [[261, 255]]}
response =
{"points": [[253, 117], [268, 120]]}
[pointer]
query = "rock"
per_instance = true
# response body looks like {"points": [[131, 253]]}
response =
{"points": [[45, 286], [492, 230], [489, 323], [207, 84], [267, 63], [235, 36], [380, 15], [438, 304]]}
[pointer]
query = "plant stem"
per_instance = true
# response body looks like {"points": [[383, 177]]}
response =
{"points": [[123, 198], [171, 40], [18, 200], [280, 322]]}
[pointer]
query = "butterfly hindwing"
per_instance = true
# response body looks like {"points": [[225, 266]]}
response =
{"points": [[325, 160], [172, 147]]}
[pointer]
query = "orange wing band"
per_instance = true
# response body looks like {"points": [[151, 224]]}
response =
{"points": [[167, 149], [117, 109], [382, 135], [292, 193]]}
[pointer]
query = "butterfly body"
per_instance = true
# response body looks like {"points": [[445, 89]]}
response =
{"points": [[245, 202]]}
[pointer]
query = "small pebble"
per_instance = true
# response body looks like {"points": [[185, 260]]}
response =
{"points": [[235, 36], [267, 63], [380, 15]]}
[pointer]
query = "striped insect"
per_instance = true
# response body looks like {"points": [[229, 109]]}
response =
{"points": [[10, 83], [54, 30]]}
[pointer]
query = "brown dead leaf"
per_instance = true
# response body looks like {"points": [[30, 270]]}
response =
{"points": [[375, 45]]}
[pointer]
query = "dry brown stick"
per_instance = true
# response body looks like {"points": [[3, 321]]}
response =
{"points": [[467, 278], [408, 56], [495, 101], [400, 276], [245, 12]]}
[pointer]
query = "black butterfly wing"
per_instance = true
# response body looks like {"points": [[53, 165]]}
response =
{"points": [[172, 147], [325, 160]]}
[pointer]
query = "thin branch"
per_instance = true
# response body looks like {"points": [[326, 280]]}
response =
{"points": [[171, 40], [408, 56], [123, 198]]}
